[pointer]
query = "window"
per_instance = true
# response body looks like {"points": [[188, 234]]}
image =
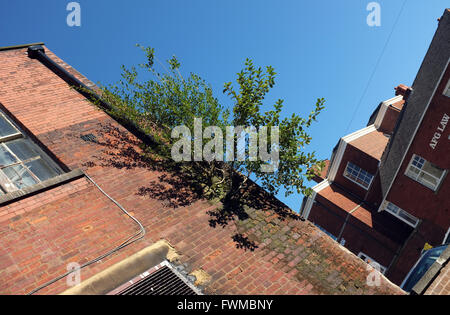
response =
{"points": [[425, 172], [447, 89], [372, 262], [22, 163], [447, 237], [358, 175], [401, 214]]}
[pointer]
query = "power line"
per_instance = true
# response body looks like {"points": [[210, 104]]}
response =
{"points": [[376, 66]]}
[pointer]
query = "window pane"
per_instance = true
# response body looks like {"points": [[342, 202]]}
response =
{"points": [[418, 161], [393, 208], [41, 169], [358, 175], [412, 172], [428, 180], [6, 129], [19, 176], [447, 90], [432, 170], [406, 216], [6, 158], [22, 148]]}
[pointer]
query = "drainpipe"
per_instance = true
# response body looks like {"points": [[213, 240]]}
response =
{"points": [[345, 222], [401, 249]]}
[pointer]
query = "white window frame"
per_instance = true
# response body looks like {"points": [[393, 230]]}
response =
{"points": [[368, 259], [447, 89], [400, 210], [447, 235], [7, 185], [422, 181], [354, 181]]}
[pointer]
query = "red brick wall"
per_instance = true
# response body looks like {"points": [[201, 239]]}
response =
{"points": [[75, 222], [427, 204], [360, 159], [441, 285], [324, 214], [358, 236], [389, 120]]}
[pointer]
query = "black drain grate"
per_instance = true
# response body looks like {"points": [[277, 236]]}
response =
{"points": [[161, 282]]}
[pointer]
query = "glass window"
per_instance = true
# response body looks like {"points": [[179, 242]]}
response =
{"points": [[447, 237], [41, 169], [20, 176], [6, 128], [372, 262], [447, 89], [22, 164], [424, 172], [358, 175], [6, 158], [401, 214], [22, 149]]}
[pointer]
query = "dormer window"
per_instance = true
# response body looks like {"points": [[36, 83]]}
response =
{"points": [[22, 162]]}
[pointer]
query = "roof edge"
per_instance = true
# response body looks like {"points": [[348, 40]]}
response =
{"points": [[432, 273], [20, 46]]}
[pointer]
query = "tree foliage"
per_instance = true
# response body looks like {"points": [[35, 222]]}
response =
{"points": [[158, 101]]}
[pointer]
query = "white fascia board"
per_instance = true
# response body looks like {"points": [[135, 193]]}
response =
{"points": [[337, 160], [323, 184], [393, 100], [342, 146], [383, 107], [380, 116], [359, 133], [446, 234]]}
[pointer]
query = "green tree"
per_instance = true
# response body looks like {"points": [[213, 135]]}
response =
{"points": [[158, 101], [295, 165]]}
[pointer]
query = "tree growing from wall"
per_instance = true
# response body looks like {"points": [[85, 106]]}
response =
{"points": [[157, 98]]}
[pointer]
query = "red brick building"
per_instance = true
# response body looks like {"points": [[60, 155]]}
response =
{"points": [[385, 193], [69, 172]]}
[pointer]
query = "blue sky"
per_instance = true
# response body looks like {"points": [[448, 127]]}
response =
{"points": [[321, 48]]}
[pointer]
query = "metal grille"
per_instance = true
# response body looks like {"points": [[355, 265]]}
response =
{"points": [[161, 282], [89, 138]]}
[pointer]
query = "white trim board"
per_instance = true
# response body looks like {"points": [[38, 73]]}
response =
{"points": [[383, 108], [323, 184], [446, 235], [341, 149]]}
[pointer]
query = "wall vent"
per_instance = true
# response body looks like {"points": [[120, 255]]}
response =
{"points": [[89, 138], [162, 279]]}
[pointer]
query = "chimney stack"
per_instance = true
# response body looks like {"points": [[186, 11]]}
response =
{"points": [[402, 90]]}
